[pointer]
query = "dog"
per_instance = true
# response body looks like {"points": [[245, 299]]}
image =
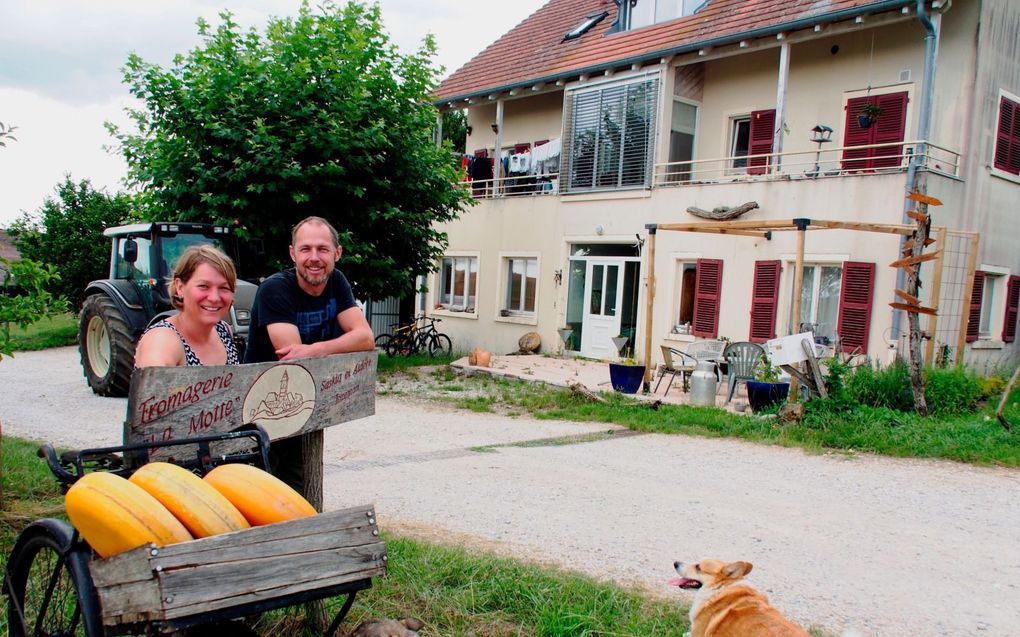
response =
{"points": [[403, 627], [724, 606]]}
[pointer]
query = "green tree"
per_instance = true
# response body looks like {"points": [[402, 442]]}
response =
{"points": [[67, 232], [318, 115], [455, 130], [24, 297]]}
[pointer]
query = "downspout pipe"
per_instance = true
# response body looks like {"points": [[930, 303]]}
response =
{"points": [[923, 130]]}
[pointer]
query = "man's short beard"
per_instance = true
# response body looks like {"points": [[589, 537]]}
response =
{"points": [[311, 280]]}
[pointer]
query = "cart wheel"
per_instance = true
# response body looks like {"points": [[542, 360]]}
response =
{"points": [[48, 584]]}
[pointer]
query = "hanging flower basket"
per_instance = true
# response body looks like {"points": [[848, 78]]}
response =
{"points": [[868, 115]]}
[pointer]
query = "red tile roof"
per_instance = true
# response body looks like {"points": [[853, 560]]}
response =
{"points": [[534, 50]]}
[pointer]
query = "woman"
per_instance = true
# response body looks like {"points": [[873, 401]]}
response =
{"points": [[202, 290]]}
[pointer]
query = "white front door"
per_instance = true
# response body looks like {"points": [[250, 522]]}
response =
{"points": [[603, 294]]}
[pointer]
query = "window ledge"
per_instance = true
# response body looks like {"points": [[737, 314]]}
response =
{"points": [[681, 338], [1002, 174], [518, 319], [987, 343], [452, 314]]}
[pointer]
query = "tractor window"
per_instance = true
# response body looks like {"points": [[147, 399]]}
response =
{"points": [[141, 269], [172, 247]]}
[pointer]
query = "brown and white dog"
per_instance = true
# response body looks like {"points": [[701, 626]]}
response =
{"points": [[403, 627], [724, 606]]}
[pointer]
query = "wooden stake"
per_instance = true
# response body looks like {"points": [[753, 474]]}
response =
{"points": [[650, 294]]}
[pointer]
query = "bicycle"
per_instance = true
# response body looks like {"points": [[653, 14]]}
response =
{"points": [[420, 335]]}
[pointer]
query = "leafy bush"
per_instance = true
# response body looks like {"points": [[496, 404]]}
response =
{"points": [[952, 391], [887, 387]]}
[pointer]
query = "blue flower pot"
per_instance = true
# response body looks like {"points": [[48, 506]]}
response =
{"points": [[626, 378], [761, 395]]}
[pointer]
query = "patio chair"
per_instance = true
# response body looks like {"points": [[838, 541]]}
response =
{"points": [[675, 363], [741, 359], [708, 350]]}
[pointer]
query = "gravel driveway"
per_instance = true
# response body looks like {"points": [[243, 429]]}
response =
{"points": [[885, 546]]}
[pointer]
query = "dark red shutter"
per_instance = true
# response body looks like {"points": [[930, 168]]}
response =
{"points": [[855, 297], [707, 290], [1007, 137], [974, 316], [521, 148], [761, 134], [764, 300], [889, 128], [1012, 309]]}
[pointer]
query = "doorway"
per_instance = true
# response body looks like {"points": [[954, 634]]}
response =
{"points": [[602, 299]]}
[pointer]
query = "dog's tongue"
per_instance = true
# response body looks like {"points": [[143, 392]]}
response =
{"points": [[684, 582]]}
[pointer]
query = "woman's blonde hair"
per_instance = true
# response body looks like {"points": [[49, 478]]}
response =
{"points": [[194, 256]]}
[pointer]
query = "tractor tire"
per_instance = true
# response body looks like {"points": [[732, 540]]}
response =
{"points": [[106, 345]]}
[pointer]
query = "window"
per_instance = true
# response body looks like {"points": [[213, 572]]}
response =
{"points": [[611, 132], [681, 140], [1007, 136], [521, 285], [988, 297], [685, 306], [752, 135], [645, 12], [458, 284], [585, 25], [699, 294], [819, 301], [887, 129]]}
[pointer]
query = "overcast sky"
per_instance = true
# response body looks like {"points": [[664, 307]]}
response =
{"points": [[60, 76]]}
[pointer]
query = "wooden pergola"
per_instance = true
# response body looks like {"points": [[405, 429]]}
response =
{"points": [[760, 229]]}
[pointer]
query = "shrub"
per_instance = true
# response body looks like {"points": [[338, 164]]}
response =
{"points": [[888, 387], [952, 391]]}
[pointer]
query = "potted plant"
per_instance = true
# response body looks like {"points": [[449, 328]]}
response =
{"points": [[766, 388], [627, 374], [868, 114]]}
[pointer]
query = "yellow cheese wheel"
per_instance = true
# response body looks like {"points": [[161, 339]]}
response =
{"points": [[201, 509], [114, 515], [260, 496]]}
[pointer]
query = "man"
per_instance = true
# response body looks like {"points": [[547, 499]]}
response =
{"points": [[306, 311]]}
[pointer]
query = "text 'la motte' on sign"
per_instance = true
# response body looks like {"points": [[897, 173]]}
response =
{"points": [[286, 398]]}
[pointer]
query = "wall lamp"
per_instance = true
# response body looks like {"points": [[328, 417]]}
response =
{"points": [[558, 277], [469, 129], [495, 128]]}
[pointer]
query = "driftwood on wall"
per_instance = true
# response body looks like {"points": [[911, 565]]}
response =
{"points": [[723, 213]]}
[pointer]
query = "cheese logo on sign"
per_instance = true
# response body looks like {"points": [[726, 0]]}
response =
{"points": [[281, 400]]}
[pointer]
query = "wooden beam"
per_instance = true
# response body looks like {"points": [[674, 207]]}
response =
{"points": [[711, 226], [923, 198], [742, 233], [915, 309], [649, 304], [887, 228], [921, 258], [798, 282]]}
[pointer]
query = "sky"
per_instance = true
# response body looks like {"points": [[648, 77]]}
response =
{"points": [[61, 78]]}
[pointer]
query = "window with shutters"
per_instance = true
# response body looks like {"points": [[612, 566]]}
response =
{"points": [[686, 279], [1009, 321], [764, 300], [707, 294], [988, 298], [819, 301], [853, 324], [750, 136], [1007, 135], [610, 141], [881, 140]]}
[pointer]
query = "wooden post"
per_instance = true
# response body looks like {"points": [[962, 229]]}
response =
{"points": [[649, 304], [961, 340], [798, 282], [936, 290]]}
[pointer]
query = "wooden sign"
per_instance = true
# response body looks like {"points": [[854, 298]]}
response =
{"points": [[917, 216], [915, 309], [923, 198], [286, 398], [921, 258]]}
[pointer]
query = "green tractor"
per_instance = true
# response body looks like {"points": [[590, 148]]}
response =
{"points": [[116, 310]]}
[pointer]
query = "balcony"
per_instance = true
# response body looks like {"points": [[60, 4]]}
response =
{"points": [[830, 163]]}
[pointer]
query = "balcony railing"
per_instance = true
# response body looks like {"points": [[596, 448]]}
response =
{"points": [[815, 164], [826, 163]]}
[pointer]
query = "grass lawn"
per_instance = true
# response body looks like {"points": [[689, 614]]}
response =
{"points": [[52, 332]]}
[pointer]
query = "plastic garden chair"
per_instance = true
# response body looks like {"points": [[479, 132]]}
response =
{"points": [[708, 350], [675, 363], [741, 359]]}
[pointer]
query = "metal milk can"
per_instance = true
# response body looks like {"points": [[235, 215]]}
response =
{"points": [[703, 384]]}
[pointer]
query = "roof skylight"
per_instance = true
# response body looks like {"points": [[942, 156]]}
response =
{"points": [[585, 25]]}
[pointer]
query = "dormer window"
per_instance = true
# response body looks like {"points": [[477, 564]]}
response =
{"points": [[641, 13], [585, 25]]}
